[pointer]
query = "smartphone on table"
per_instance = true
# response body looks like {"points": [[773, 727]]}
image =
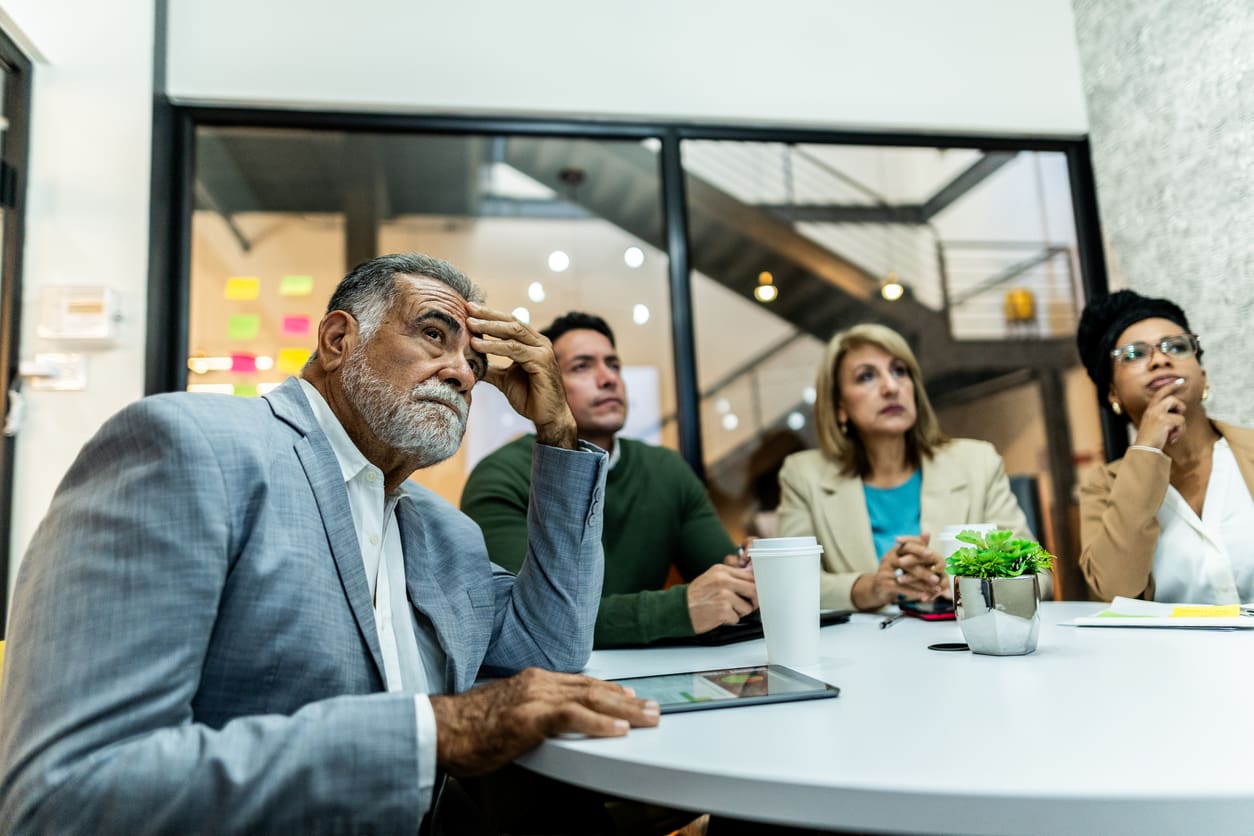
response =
{"points": [[939, 609]]}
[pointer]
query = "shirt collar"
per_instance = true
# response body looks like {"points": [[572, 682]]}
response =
{"points": [[615, 454], [350, 459]]}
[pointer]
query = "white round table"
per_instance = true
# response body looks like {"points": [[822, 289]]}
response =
{"points": [[1101, 730]]}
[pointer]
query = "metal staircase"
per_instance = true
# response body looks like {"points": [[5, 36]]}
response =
{"points": [[820, 291]]}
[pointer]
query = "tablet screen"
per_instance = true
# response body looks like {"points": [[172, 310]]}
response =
{"points": [[725, 687]]}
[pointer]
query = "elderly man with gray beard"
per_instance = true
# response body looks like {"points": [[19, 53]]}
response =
{"points": [[238, 617]]}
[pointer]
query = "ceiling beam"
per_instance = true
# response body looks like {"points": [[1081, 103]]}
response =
{"points": [[979, 171]]}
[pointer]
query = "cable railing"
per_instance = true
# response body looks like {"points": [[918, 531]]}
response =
{"points": [[824, 204], [1011, 289]]}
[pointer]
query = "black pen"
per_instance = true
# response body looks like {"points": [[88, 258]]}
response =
{"points": [[892, 619]]}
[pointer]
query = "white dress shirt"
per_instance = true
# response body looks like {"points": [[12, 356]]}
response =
{"points": [[413, 660], [1208, 560]]}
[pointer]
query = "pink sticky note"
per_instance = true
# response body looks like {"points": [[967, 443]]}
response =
{"points": [[243, 363], [295, 326]]}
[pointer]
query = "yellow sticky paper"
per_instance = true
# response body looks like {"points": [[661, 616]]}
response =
{"points": [[292, 360], [243, 287], [296, 286], [1207, 611]]}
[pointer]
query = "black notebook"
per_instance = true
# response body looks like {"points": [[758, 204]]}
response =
{"points": [[749, 627]]}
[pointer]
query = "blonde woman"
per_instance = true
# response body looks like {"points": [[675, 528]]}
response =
{"points": [[885, 477]]}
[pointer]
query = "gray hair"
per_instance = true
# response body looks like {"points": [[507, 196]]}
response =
{"points": [[369, 289]]}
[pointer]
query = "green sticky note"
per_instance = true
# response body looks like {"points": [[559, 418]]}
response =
{"points": [[243, 326], [246, 390], [296, 286]]}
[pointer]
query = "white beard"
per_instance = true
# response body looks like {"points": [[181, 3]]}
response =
{"points": [[410, 423]]}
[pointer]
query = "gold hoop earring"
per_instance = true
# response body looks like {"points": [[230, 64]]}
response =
{"points": [[1116, 407], [1206, 391]]}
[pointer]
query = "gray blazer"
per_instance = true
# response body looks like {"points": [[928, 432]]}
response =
{"points": [[192, 647]]}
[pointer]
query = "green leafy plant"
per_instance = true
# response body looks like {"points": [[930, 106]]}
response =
{"points": [[997, 554]]}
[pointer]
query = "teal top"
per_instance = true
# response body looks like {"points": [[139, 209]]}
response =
{"points": [[893, 511], [656, 513]]}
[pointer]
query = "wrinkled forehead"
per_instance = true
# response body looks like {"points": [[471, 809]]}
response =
{"points": [[1149, 331], [421, 293]]}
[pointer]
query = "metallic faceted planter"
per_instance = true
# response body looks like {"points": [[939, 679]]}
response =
{"points": [[998, 616]]}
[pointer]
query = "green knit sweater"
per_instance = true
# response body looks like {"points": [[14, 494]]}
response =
{"points": [[656, 513]]}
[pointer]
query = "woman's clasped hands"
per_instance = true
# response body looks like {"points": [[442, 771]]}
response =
{"points": [[911, 570]]}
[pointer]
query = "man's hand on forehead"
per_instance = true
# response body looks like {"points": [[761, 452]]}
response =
{"points": [[531, 382]]}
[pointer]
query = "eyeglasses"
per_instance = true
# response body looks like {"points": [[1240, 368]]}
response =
{"points": [[1177, 346]]}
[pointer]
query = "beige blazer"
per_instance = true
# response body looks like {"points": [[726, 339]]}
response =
{"points": [[963, 482], [1119, 515]]}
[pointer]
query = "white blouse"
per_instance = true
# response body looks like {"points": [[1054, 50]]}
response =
{"points": [[1208, 560]]}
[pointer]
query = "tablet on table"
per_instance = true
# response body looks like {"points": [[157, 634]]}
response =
{"points": [[726, 687]]}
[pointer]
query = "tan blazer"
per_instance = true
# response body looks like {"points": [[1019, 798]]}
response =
{"points": [[963, 482], [1119, 515]]}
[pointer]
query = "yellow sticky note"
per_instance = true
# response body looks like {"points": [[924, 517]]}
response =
{"points": [[243, 326], [296, 286], [1207, 611], [243, 287], [292, 360], [246, 390]]}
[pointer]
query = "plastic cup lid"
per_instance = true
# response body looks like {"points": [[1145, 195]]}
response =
{"points": [[798, 551], [767, 544]]}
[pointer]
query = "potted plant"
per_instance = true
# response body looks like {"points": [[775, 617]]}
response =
{"points": [[996, 591]]}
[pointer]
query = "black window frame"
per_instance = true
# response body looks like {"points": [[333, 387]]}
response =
{"points": [[13, 168], [171, 230]]}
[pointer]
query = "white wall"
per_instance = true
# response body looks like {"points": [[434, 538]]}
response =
{"points": [[961, 65], [86, 215], [1170, 93]]}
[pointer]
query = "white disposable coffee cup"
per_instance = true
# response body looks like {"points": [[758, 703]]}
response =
{"points": [[947, 541], [786, 572]]}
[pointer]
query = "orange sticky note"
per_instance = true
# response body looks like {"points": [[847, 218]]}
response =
{"points": [[295, 326], [292, 360], [243, 287]]}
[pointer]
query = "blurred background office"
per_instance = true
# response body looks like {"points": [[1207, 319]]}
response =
{"points": [[728, 185]]}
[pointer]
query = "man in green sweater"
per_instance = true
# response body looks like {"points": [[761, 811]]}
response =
{"points": [[657, 512]]}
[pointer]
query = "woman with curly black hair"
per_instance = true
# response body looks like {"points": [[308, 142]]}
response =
{"points": [[1173, 520]]}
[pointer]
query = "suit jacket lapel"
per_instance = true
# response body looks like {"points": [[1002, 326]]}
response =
{"points": [[945, 499], [845, 516], [426, 593], [327, 482]]}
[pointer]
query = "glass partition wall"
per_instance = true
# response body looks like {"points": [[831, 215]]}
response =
{"points": [[720, 257], [281, 215], [970, 254]]}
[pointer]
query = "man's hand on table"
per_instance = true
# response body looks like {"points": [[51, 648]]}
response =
{"points": [[486, 727], [721, 595]]}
